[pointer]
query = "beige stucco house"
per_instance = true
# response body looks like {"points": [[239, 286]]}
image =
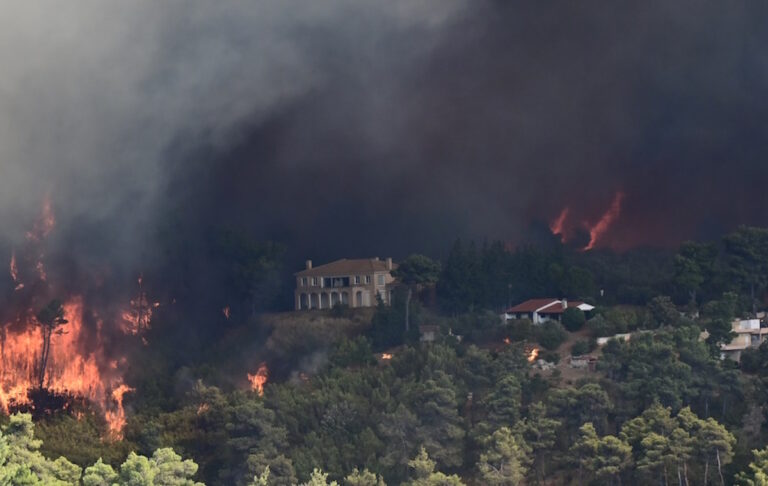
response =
{"points": [[353, 282], [750, 333]]}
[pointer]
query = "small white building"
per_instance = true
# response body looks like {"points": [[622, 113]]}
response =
{"points": [[540, 310]]}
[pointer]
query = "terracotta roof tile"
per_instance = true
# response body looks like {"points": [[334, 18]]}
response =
{"points": [[547, 306], [347, 267]]}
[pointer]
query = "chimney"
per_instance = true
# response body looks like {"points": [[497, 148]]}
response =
{"points": [[389, 264], [565, 303], [309, 264]]}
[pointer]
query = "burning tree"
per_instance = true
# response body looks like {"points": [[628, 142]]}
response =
{"points": [[50, 319]]}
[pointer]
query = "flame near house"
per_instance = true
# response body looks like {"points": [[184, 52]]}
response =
{"points": [[259, 379], [532, 355]]}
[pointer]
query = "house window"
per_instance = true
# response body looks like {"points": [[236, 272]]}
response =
{"points": [[357, 279], [314, 281], [367, 279], [380, 279], [304, 281]]}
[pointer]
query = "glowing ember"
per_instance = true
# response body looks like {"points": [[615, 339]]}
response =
{"points": [[41, 271], [14, 268], [599, 229], [259, 379], [226, 311], [558, 225], [116, 418], [533, 354], [507, 341], [137, 319], [386, 356], [202, 408], [44, 225]]}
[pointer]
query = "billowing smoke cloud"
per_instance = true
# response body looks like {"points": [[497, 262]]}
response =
{"points": [[365, 127], [98, 102]]}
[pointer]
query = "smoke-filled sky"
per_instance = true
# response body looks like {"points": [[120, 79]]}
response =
{"points": [[367, 127]]}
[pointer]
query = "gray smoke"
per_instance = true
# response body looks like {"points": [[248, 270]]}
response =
{"points": [[355, 128], [98, 99]]}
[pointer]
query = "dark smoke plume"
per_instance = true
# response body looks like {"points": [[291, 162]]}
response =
{"points": [[362, 128]]}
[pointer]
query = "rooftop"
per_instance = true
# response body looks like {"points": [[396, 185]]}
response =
{"points": [[544, 306], [347, 267]]}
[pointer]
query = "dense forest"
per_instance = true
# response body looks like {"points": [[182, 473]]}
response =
{"points": [[355, 397]]}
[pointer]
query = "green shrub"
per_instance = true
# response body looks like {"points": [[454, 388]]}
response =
{"points": [[551, 335], [573, 319], [599, 326], [582, 347], [519, 329]]}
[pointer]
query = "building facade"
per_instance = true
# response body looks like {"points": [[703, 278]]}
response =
{"points": [[355, 283], [749, 333]]}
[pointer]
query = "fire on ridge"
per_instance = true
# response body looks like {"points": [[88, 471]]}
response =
{"points": [[597, 230]]}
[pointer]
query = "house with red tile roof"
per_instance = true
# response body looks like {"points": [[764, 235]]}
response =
{"points": [[540, 310]]}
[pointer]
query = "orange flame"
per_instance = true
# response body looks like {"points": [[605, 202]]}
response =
{"points": [[14, 268], [137, 319], [259, 379], [69, 369], [533, 354], [557, 226], [116, 418], [227, 312], [605, 222], [386, 356], [507, 340]]}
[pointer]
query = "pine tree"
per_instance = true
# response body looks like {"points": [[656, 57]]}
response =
{"points": [[505, 461]]}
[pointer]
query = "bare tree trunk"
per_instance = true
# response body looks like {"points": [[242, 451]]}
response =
{"points": [[581, 477], [706, 472], [720, 469], [408, 309], [725, 402], [685, 472], [44, 356]]}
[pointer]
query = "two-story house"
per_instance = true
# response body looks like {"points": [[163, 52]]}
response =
{"points": [[355, 283], [749, 333]]}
